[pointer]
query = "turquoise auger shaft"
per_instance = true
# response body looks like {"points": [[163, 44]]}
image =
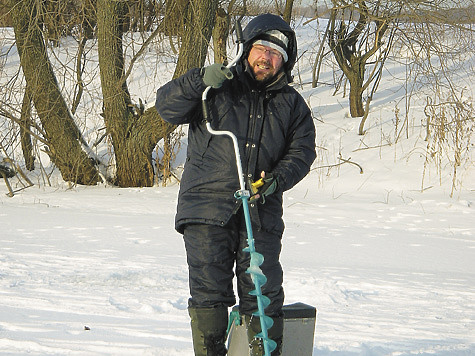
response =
{"points": [[257, 277]]}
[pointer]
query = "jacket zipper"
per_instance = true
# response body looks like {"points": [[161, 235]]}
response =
{"points": [[250, 136]]}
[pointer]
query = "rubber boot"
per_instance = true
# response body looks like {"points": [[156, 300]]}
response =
{"points": [[276, 333], [208, 328]]}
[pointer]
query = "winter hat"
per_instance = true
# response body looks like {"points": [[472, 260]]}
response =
{"points": [[275, 40]]}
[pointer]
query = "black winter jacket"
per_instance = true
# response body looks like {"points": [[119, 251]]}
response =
{"points": [[275, 132]]}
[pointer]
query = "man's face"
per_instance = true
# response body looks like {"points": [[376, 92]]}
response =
{"points": [[265, 61]]}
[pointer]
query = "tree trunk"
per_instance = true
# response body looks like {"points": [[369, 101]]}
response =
{"points": [[220, 36], [172, 24], [288, 10], [25, 137], [356, 99], [199, 22], [356, 79], [63, 137], [117, 114], [134, 134], [342, 45]]}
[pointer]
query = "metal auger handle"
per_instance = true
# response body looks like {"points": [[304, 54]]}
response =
{"points": [[240, 43], [205, 108]]}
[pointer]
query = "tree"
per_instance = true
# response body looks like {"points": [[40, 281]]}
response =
{"points": [[220, 36], [199, 19], [355, 35], [221, 28], [172, 23], [66, 146], [288, 10]]}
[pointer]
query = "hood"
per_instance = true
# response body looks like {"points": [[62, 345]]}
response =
{"points": [[266, 22]]}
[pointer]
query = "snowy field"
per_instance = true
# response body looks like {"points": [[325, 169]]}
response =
{"points": [[389, 266]]}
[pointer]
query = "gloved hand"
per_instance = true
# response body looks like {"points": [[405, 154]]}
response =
{"points": [[215, 74], [265, 187]]}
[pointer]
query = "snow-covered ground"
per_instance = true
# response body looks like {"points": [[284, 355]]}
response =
{"points": [[391, 269]]}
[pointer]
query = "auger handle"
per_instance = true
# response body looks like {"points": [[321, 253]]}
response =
{"points": [[239, 41], [238, 29]]}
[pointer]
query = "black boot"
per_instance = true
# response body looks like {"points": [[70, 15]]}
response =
{"points": [[276, 332], [208, 327]]}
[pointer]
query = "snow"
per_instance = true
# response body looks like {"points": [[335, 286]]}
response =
{"points": [[387, 256]]}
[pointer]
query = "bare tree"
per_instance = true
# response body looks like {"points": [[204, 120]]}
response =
{"points": [[199, 22], [221, 29], [66, 146], [173, 21], [438, 40], [287, 15], [355, 36]]}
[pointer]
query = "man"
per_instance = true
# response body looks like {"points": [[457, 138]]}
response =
{"points": [[276, 136]]}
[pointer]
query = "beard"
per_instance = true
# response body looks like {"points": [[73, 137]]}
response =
{"points": [[263, 70]]}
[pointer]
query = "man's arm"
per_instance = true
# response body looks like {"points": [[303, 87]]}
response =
{"points": [[300, 150], [179, 100]]}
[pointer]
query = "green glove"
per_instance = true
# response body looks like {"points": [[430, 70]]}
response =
{"points": [[215, 74]]}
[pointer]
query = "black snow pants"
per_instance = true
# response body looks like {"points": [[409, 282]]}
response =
{"points": [[214, 253]]}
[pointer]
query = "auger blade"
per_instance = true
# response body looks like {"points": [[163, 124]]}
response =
{"points": [[265, 301], [254, 292], [257, 259], [256, 274], [260, 278], [268, 321], [271, 343]]}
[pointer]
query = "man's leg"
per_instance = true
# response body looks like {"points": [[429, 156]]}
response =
{"points": [[210, 256], [208, 328]]}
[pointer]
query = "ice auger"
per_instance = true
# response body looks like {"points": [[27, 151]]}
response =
{"points": [[258, 278]]}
